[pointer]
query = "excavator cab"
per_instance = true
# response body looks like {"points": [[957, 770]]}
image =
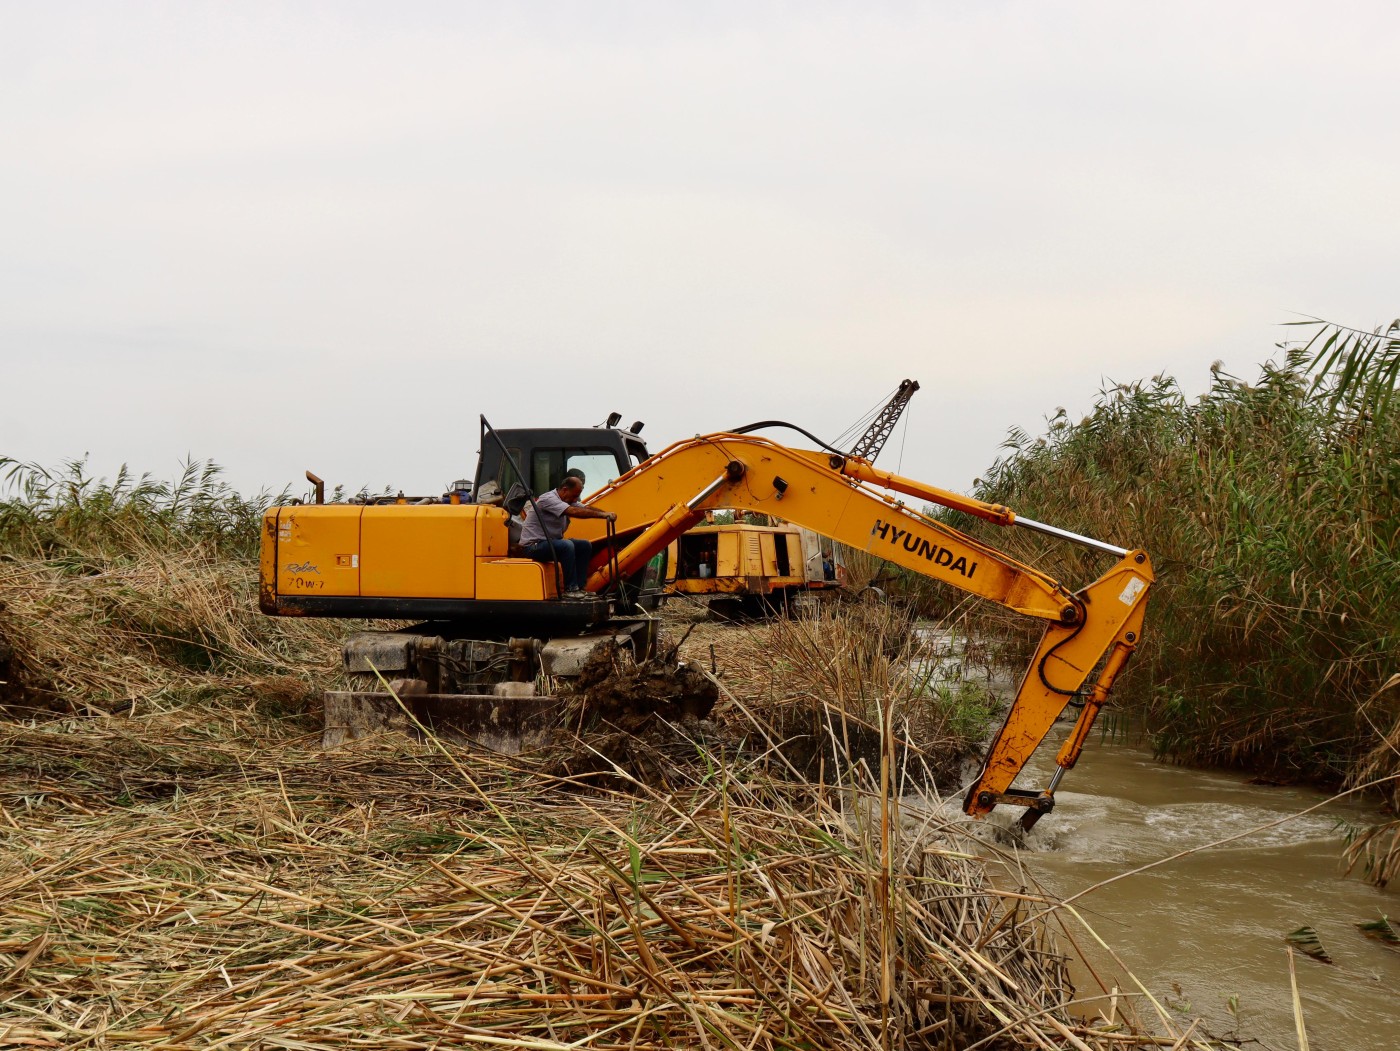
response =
{"points": [[441, 557], [546, 454]]}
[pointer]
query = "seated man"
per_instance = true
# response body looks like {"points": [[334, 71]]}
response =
{"points": [[543, 535]]}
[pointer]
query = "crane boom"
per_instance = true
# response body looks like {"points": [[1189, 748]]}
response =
{"points": [[869, 444]]}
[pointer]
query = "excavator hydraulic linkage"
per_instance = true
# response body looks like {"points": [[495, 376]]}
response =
{"points": [[839, 496]]}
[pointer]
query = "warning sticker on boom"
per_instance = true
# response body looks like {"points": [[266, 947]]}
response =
{"points": [[1132, 590]]}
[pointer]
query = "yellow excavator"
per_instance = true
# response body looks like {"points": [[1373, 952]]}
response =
{"points": [[491, 618]]}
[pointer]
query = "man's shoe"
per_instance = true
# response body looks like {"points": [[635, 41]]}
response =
{"points": [[577, 596]]}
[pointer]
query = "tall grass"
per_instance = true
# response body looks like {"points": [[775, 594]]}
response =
{"points": [[137, 592], [839, 686], [1272, 511]]}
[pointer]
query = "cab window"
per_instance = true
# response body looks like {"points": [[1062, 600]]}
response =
{"points": [[547, 467]]}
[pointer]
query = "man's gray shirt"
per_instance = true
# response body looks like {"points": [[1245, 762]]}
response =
{"points": [[547, 520]]}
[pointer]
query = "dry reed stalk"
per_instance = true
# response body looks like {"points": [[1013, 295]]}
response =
{"points": [[161, 888], [156, 626], [1376, 850], [835, 685]]}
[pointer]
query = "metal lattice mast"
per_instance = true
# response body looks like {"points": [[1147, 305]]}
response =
{"points": [[870, 443]]}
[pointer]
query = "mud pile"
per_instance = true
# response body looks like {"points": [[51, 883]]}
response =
{"points": [[635, 723], [632, 697]]}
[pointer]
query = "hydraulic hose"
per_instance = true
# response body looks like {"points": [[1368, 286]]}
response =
{"points": [[790, 426], [1040, 665]]}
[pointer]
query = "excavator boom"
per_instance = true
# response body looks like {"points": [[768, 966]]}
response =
{"points": [[835, 495]]}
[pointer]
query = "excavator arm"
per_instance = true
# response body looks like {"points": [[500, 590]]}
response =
{"points": [[850, 501]]}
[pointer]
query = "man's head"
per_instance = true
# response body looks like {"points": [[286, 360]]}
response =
{"points": [[571, 488]]}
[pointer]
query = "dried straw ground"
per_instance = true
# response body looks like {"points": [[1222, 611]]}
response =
{"points": [[203, 876], [199, 894]]}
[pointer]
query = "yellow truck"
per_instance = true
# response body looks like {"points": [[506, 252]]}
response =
{"points": [[752, 561]]}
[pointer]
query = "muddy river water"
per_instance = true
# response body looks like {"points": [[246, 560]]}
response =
{"points": [[1211, 926]]}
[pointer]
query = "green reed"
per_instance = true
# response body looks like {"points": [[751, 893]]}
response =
{"points": [[1271, 510]]}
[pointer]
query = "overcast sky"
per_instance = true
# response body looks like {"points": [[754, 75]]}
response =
{"points": [[302, 235]]}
